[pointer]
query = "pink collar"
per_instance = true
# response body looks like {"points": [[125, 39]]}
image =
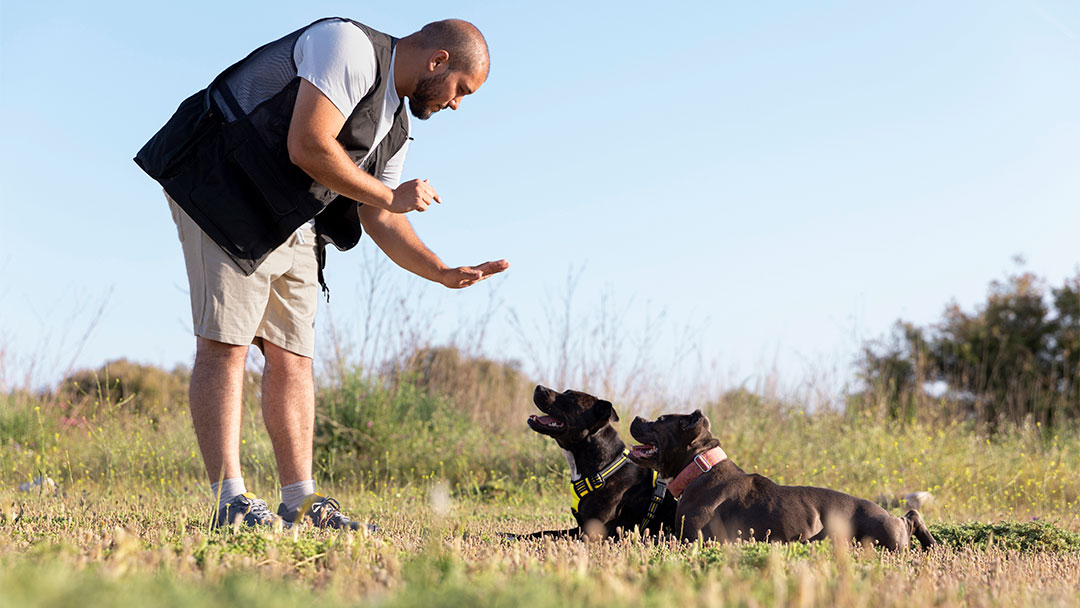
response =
{"points": [[701, 463]]}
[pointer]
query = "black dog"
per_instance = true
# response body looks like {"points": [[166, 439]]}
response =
{"points": [[719, 500], [610, 490]]}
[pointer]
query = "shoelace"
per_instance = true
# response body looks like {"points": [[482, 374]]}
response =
{"points": [[259, 509], [328, 509]]}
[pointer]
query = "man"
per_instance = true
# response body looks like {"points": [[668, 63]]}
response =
{"points": [[299, 145]]}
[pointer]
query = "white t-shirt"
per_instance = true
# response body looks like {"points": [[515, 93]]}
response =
{"points": [[338, 58]]}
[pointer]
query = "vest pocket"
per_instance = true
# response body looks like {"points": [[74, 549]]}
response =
{"points": [[238, 184], [237, 188], [163, 155], [259, 170]]}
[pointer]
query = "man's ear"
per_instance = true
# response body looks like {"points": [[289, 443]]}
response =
{"points": [[437, 58]]}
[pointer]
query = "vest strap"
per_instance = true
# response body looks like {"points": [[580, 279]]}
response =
{"points": [[226, 96]]}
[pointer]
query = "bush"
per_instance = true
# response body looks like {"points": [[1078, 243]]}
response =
{"points": [[1016, 359], [144, 389], [489, 392], [22, 425], [370, 430]]}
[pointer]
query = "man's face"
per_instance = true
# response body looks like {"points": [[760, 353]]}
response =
{"points": [[442, 89]]}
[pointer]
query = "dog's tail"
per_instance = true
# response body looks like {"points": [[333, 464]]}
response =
{"points": [[918, 529]]}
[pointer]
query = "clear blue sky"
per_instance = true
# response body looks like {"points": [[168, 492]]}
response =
{"points": [[787, 177]]}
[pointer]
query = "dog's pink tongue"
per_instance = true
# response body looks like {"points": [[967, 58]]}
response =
{"points": [[547, 420], [641, 450]]}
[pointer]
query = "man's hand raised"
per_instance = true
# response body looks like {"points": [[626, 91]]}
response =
{"points": [[463, 276], [413, 195]]}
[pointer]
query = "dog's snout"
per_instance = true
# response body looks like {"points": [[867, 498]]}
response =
{"points": [[543, 395]]}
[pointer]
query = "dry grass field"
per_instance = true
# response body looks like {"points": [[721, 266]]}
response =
{"points": [[126, 523], [92, 547]]}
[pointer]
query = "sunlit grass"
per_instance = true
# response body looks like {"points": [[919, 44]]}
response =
{"points": [[1020, 475], [129, 517], [93, 547]]}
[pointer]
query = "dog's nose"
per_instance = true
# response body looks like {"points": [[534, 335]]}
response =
{"points": [[543, 395]]}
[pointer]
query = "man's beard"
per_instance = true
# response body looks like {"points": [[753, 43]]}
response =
{"points": [[424, 94]]}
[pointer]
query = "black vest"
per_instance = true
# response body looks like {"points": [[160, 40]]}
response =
{"points": [[223, 156]]}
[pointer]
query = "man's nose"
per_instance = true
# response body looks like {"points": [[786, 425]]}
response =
{"points": [[454, 103]]}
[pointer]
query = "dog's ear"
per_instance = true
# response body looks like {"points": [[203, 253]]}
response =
{"points": [[695, 421], [605, 413], [612, 414]]}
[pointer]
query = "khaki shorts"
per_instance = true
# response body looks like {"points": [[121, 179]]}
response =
{"points": [[277, 303]]}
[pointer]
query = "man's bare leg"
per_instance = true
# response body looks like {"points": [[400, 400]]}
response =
{"points": [[288, 406], [217, 382], [289, 413]]}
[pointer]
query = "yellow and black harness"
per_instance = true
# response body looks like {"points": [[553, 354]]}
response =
{"points": [[588, 484]]}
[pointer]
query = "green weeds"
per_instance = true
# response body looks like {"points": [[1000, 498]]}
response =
{"points": [[1024, 537]]}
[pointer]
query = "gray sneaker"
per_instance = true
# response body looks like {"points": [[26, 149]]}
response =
{"points": [[322, 512], [245, 509]]}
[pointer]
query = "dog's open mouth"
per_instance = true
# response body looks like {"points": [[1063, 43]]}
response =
{"points": [[643, 452], [547, 423]]}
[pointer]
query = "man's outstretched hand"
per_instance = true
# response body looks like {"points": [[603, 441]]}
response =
{"points": [[463, 276]]}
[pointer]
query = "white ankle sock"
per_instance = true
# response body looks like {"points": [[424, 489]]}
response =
{"points": [[293, 495], [230, 489]]}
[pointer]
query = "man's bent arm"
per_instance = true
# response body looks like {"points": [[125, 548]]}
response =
{"points": [[395, 236], [313, 146]]}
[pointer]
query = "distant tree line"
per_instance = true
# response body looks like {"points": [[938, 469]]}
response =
{"points": [[1014, 359]]}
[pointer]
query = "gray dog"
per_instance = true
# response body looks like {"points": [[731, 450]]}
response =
{"points": [[718, 500]]}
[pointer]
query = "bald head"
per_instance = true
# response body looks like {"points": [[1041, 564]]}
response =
{"points": [[439, 65], [461, 40]]}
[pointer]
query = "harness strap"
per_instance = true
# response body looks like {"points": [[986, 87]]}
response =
{"points": [[586, 485], [659, 491], [590, 483]]}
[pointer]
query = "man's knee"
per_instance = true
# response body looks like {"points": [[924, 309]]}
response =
{"points": [[211, 352], [218, 367], [281, 362]]}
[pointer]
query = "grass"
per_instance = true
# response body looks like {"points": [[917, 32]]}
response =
{"points": [[129, 521], [91, 546]]}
